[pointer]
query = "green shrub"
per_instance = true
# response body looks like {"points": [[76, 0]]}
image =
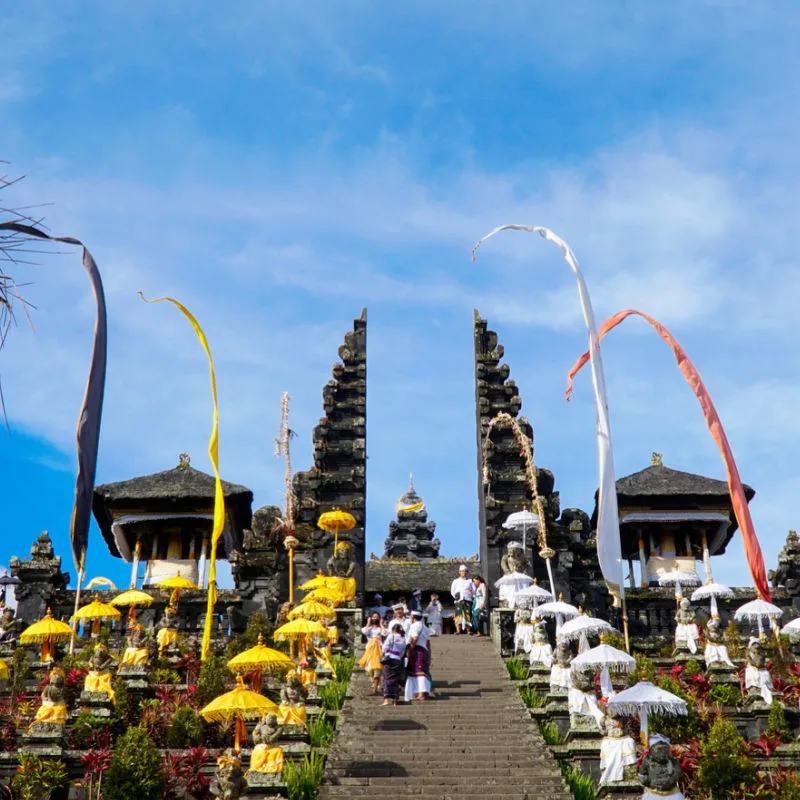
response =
{"points": [[186, 729], [121, 695], [614, 640], [645, 670], [531, 698], [135, 769], [36, 778], [19, 671], [550, 733], [733, 641], [343, 667], [692, 668], [165, 675], [303, 780], [777, 724], [211, 682], [581, 785], [257, 624], [332, 695], [724, 765], [726, 693], [321, 731], [517, 668], [85, 729]]}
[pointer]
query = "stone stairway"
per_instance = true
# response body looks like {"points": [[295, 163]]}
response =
{"points": [[472, 739]]}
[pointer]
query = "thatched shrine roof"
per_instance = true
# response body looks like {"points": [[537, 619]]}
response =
{"points": [[396, 575]]}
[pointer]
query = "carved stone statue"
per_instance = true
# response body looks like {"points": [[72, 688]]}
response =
{"points": [[514, 559], [227, 783], [757, 678], [341, 564], [686, 633], [716, 652], [523, 632], [167, 636], [541, 654], [660, 772], [9, 627], [136, 655], [52, 714], [617, 753], [561, 671], [266, 761], [97, 684], [293, 702], [584, 712]]}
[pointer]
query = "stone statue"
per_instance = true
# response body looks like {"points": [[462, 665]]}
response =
{"points": [[584, 712], [52, 714], [167, 636], [308, 676], [541, 654], [341, 564], [98, 679], [561, 671], [293, 701], [227, 783], [757, 679], [523, 632], [660, 772], [514, 559], [686, 633], [716, 652], [136, 655], [617, 753], [9, 627], [266, 760]]}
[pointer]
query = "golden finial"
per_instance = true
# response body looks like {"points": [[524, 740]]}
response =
{"points": [[656, 459], [183, 460]]}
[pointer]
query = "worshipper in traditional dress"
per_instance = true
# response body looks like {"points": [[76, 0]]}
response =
{"points": [[463, 590], [479, 605], [402, 601], [378, 607], [416, 601], [374, 632], [418, 682], [401, 617], [394, 671], [433, 615]]}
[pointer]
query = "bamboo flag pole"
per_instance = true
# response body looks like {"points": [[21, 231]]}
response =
{"points": [[81, 573]]}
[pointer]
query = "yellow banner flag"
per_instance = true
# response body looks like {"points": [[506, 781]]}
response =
{"points": [[219, 500]]}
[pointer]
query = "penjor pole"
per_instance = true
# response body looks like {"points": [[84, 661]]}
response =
{"points": [[609, 549]]}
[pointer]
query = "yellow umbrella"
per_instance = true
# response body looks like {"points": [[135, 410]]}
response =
{"points": [[258, 657], [324, 594], [47, 631], [318, 582], [300, 630], [239, 704], [132, 598], [178, 583], [3, 670], [336, 520], [312, 610], [96, 611]]}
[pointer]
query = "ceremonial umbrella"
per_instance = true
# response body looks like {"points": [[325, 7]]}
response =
{"points": [[47, 632], [312, 609], [131, 599], [325, 594], [239, 704], [300, 630], [259, 658], [604, 657], [678, 579], [511, 583], [96, 610], [177, 583], [643, 699], [335, 521], [757, 610], [522, 521], [534, 593], [792, 627], [581, 627], [558, 609], [712, 590]]}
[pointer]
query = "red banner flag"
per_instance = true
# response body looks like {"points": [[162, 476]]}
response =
{"points": [[741, 510]]}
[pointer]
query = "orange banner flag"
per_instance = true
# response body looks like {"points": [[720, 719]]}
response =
{"points": [[741, 510]]}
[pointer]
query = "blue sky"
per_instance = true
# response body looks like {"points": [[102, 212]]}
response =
{"points": [[277, 166]]}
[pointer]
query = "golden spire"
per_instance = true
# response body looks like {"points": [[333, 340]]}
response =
{"points": [[656, 459]]}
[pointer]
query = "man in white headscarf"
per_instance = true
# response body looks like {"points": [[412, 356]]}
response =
{"points": [[463, 591]]}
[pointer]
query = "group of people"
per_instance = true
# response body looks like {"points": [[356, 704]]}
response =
{"points": [[398, 654], [471, 597]]}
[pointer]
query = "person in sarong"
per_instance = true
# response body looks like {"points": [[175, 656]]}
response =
{"points": [[433, 615], [415, 604], [400, 618], [394, 671], [418, 682], [463, 590], [373, 631], [480, 601]]}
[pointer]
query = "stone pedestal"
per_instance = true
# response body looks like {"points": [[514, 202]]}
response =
{"points": [[620, 789], [682, 655], [135, 677], [44, 739], [720, 674], [98, 704], [260, 785], [349, 621], [502, 630], [583, 728]]}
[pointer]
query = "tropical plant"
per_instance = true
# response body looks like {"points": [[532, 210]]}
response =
{"points": [[303, 780], [517, 668], [186, 729], [581, 785], [19, 669], [550, 733], [724, 763], [531, 698], [36, 778], [343, 667], [211, 682], [90, 732], [183, 776], [135, 769], [645, 670], [333, 695], [95, 765], [321, 731], [777, 725], [726, 693]]}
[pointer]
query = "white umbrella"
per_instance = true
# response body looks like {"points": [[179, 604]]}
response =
{"points": [[581, 627], [643, 699], [792, 627], [533, 593], [604, 657], [522, 521], [712, 590], [558, 609], [757, 610], [678, 579], [510, 584]]}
